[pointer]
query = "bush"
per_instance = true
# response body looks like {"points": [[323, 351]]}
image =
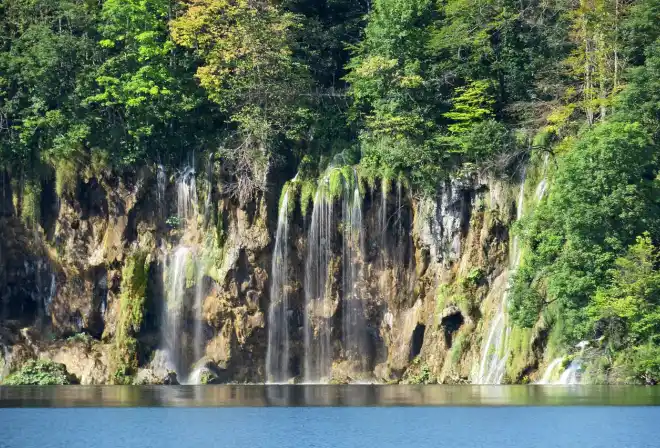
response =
{"points": [[39, 373]]}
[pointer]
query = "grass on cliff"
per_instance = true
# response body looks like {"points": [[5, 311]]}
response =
{"points": [[132, 299], [39, 373]]}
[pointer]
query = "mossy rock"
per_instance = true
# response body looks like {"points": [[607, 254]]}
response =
{"points": [[40, 373]]}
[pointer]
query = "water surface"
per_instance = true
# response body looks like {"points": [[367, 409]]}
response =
{"points": [[326, 395], [331, 427]]}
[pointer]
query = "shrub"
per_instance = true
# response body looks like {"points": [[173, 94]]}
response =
{"points": [[39, 373]]}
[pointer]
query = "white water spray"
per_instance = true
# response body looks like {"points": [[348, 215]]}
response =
{"points": [[353, 312], [318, 303], [277, 356]]}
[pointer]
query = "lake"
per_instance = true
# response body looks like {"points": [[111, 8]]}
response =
{"points": [[329, 416]]}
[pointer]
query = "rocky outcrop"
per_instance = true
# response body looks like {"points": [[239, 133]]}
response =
{"points": [[434, 273]]}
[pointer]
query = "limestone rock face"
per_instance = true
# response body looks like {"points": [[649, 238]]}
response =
{"points": [[433, 274], [87, 361]]}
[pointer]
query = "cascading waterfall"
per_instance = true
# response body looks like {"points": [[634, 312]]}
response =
{"points": [[495, 353], [549, 371], [277, 356], [318, 301], [353, 318], [320, 270], [381, 229], [543, 184], [175, 283], [161, 183], [571, 374], [186, 189], [180, 272], [51, 294]]}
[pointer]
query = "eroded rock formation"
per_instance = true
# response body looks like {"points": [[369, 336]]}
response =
{"points": [[415, 295]]}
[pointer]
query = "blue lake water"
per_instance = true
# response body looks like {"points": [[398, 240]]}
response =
{"points": [[329, 416], [583, 427]]}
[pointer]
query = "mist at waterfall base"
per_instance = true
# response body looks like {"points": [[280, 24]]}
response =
{"points": [[512, 427]]}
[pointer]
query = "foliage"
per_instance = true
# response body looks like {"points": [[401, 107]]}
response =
{"points": [[422, 373], [132, 300], [627, 311], [39, 373], [603, 196], [412, 90]]}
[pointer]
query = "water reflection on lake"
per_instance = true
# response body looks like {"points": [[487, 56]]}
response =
{"points": [[325, 395]]}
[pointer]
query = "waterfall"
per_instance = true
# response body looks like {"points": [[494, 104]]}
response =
{"points": [[353, 318], [186, 189], [277, 356], [495, 353], [209, 191], [161, 182], [571, 374], [51, 294], [175, 283], [547, 375], [318, 302], [543, 184], [381, 230], [181, 341]]}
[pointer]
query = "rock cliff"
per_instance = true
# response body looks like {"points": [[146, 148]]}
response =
{"points": [[140, 278]]}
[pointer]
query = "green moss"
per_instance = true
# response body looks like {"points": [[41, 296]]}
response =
{"points": [[442, 294], [39, 373], [220, 233], [473, 279], [307, 193], [100, 163], [460, 293], [190, 270], [213, 255], [131, 314], [335, 184], [460, 345], [520, 349], [366, 177], [66, 176], [82, 338], [207, 377], [289, 191], [30, 210]]}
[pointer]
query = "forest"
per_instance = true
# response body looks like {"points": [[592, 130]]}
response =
{"points": [[418, 90]]}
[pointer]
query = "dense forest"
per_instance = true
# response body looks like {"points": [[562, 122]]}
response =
{"points": [[418, 90]]}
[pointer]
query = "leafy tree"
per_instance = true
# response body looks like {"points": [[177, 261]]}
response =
{"points": [[604, 195], [250, 72], [44, 45], [143, 90]]}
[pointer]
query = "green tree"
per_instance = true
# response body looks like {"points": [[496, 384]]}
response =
{"points": [[604, 195]]}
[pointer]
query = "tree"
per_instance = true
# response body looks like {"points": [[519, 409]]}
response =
{"points": [[250, 72], [604, 195]]}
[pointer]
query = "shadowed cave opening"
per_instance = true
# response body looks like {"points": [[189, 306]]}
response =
{"points": [[417, 340], [450, 325]]}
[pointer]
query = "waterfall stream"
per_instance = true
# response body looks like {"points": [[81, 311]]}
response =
{"points": [[175, 284], [277, 356], [548, 374], [353, 317], [495, 353], [318, 301], [182, 332]]}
